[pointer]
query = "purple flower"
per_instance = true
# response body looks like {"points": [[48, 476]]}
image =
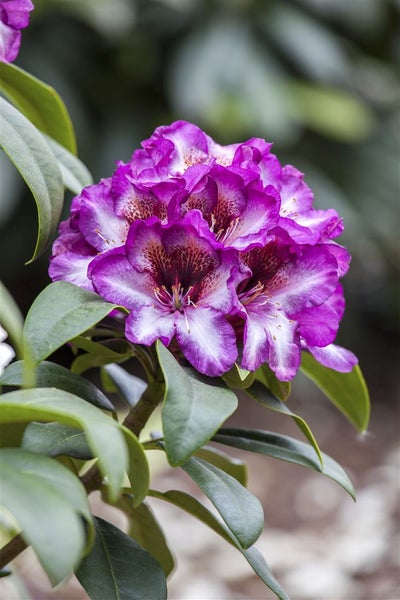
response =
{"points": [[176, 284], [14, 16], [191, 236], [283, 282]]}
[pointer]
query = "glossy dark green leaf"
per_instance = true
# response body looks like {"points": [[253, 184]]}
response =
{"points": [[196, 509], [138, 470], [284, 448], [61, 312], [39, 102], [145, 529], [31, 155], [47, 501], [238, 377], [129, 386], [192, 410], [280, 389], [347, 391], [233, 466], [265, 397], [49, 374], [117, 568], [241, 511], [49, 404], [74, 173], [56, 439]]}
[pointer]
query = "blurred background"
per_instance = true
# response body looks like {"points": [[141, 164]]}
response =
{"points": [[320, 79]]}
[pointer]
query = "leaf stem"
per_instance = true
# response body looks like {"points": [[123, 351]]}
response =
{"points": [[11, 550]]}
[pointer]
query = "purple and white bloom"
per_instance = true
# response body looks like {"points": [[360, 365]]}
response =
{"points": [[283, 281], [191, 236], [6, 352], [176, 285], [14, 16]]}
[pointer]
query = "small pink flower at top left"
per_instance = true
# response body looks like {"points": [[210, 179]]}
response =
{"points": [[14, 16]]}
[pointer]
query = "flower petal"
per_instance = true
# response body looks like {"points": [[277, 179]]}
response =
{"points": [[334, 357], [207, 340]]}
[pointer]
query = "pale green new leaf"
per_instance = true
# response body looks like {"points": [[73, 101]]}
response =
{"points": [[47, 501], [39, 102], [49, 404], [117, 568], [347, 391], [31, 155], [192, 410]]}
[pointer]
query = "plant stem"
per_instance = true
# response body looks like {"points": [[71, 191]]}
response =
{"points": [[11, 550]]}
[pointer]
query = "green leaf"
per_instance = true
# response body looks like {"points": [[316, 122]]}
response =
{"points": [[49, 374], [192, 410], [347, 391], [280, 389], [138, 471], [117, 568], [234, 467], [74, 173], [36, 163], [129, 386], [61, 312], [145, 529], [260, 393], [241, 511], [56, 439], [284, 448], [39, 102], [47, 501], [238, 377], [11, 318], [99, 354], [48, 404], [196, 509]]}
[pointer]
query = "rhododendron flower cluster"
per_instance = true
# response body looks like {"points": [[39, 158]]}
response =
{"points": [[217, 249], [14, 16]]}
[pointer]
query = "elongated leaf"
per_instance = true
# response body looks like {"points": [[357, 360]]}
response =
{"points": [[129, 386], [52, 375], [61, 312], [36, 163], [39, 102], [280, 389], [284, 448], [266, 398], [192, 410], [241, 511], [138, 471], [74, 173], [11, 318], [56, 439], [196, 509], [48, 404], [347, 391], [117, 568], [99, 354], [234, 467], [145, 529], [47, 502]]}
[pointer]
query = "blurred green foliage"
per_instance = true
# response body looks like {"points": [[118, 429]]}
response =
{"points": [[316, 77]]}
